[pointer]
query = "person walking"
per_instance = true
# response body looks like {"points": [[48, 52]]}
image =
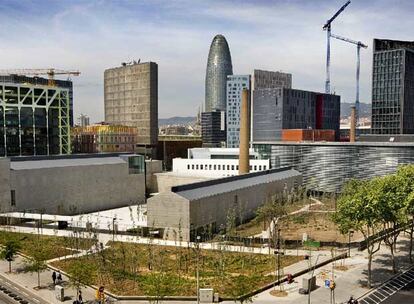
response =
{"points": [[54, 277], [80, 299], [59, 278], [100, 295]]}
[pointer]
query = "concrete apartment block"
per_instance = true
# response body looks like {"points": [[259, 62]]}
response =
{"points": [[131, 99]]}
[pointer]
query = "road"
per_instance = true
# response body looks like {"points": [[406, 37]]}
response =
{"points": [[405, 295], [8, 287]]}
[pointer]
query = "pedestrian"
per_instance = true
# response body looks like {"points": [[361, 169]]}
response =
{"points": [[54, 277], [59, 277], [80, 299], [100, 295]]}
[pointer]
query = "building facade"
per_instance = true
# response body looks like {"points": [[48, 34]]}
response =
{"points": [[34, 119], [203, 208], [282, 108], [235, 86], [219, 66], [131, 99], [173, 146], [103, 138], [393, 87], [326, 166], [213, 128], [269, 79], [83, 120], [72, 184]]}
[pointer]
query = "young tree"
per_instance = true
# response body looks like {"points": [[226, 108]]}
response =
{"points": [[81, 273], [10, 249], [241, 285], [37, 262], [357, 209]]}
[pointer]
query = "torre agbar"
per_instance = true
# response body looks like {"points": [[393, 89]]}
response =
{"points": [[218, 67]]}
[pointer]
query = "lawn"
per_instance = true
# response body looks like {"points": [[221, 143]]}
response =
{"points": [[54, 246], [138, 269]]}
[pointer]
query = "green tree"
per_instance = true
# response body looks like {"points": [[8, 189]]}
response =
{"points": [[81, 273], [37, 262], [357, 209], [10, 249], [388, 194], [406, 182]]}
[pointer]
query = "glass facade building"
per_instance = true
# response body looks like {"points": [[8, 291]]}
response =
{"points": [[34, 120], [219, 66], [213, 128], [235, 86], [326, 166], [393, 87]]}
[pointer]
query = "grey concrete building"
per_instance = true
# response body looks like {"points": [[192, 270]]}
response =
{"points": [[203, 208], [393, 87], [131, 99], [282, 108], [71, 185], [269, 79]]}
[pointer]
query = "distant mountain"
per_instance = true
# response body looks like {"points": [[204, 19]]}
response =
{"points": [[364, 109], [177, 120]]}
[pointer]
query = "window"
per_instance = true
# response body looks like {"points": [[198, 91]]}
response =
{"points": [[201, 167], [255, 167], [192, 167], [232, 167], [13, 197], [196, 167], [219, 167], [188, 167], [260, 168]]}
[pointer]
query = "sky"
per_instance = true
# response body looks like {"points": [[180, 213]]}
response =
{"points": [[279, 35]]}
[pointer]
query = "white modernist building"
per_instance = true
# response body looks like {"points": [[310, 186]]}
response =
{"points": [[216, 162], [235, 85]]}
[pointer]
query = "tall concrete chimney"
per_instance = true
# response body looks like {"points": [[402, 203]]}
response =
{"points": [[352, 128], [244, 160]]}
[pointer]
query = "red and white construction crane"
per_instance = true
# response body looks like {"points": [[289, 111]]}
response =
{"points": [[39, 72], [359, 44], [327, 28]]}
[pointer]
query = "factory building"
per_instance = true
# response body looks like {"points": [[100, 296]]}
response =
{"points": [[131, 99], [35, 118], [393, 87], [71, 184], [235, 85], [277, 109], [203, 208], [326, 166]]}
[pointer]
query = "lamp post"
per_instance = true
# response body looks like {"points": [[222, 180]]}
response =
{"points": [[197, 270], [113, 229]]}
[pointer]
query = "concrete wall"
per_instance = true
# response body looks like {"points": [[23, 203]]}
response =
{"points": [[152, 167], [162, 182], [171, 212], [5, 185], [77, 189]]}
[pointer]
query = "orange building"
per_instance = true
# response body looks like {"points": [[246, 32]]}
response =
{"points": [[308, 135]]}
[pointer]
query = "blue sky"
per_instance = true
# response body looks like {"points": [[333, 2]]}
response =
{"points": [[275, 35]]}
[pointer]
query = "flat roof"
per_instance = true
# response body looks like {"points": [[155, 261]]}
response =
{"points": [[227, 184], [70, 162], [336, 143]]}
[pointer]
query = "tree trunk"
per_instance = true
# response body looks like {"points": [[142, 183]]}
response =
{"points": [[10, 266], [369, 270], [38, 278], [411, 244], [394, 270]]}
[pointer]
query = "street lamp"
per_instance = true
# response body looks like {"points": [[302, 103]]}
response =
{"points": [[197, 273]]}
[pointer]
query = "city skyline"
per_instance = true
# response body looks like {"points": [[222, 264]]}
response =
{"points": [[268, 35]]}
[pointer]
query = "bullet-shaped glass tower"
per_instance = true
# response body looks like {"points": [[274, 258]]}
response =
{"points": [[218, 67]]}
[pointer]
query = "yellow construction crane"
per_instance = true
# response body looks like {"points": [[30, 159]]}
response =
{"points": [[38, 72]]}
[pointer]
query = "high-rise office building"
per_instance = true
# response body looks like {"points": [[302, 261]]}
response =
{"points": [[277, 109], [213, 128], [235, 85], [83, 120], [131, 99], [393, 87], [219, 66], [35, 118], [269, 79]]}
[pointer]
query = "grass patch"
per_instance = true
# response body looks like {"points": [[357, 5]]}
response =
{"points": [[132, 269], [54, 246]]}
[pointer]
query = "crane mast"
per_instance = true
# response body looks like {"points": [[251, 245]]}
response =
{"points": [[359, 44], [327, 28]]}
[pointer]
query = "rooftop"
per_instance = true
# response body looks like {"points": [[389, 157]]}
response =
{"points": [[227, 184], [333, 143], [72, 162]]}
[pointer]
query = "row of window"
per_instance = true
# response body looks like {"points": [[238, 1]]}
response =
{"points": [[222, 167]]}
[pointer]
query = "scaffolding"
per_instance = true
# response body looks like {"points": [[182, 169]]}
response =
{"points": [[34, 120]]}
